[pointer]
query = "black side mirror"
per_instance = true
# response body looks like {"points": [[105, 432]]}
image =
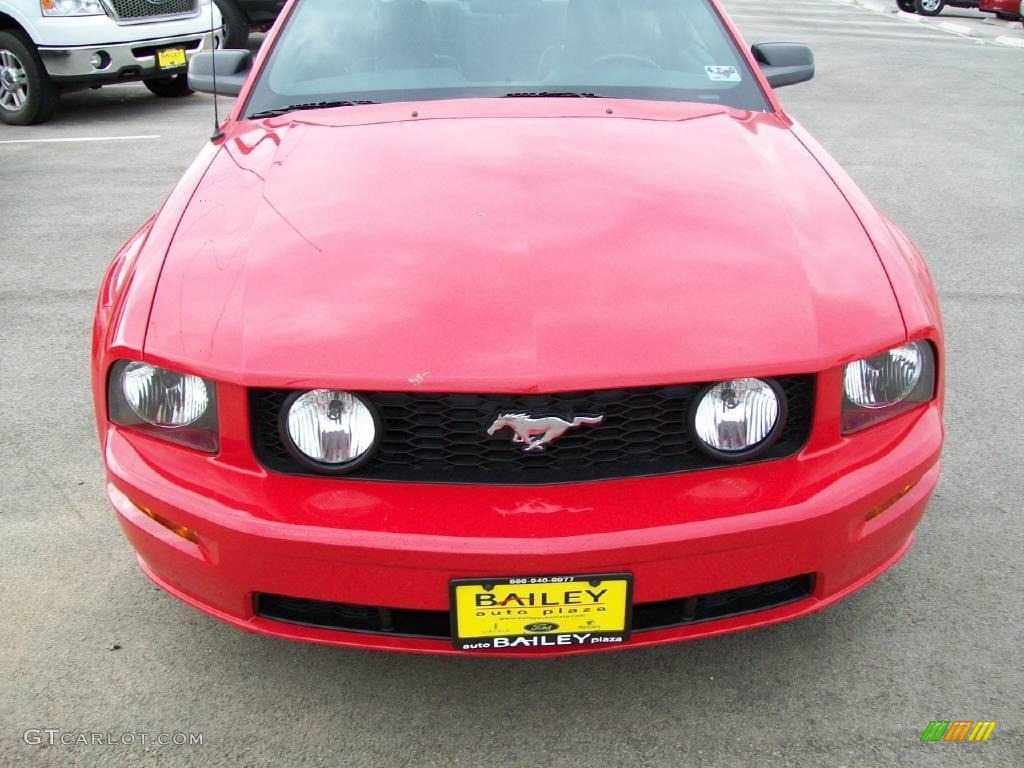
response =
{"points": [[784, 63], [232, 70]]}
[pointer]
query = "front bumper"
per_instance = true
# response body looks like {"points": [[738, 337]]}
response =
{"points": [[398, 545], [127, 61]]}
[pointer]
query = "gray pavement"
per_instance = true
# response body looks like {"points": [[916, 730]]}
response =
{"points": [[983, 28], [928, 122]]}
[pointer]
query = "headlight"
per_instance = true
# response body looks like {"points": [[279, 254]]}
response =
{"points": [[71, 7], [739, 418], [175, 406], [329, 430], [164, 398], [886, 385]]}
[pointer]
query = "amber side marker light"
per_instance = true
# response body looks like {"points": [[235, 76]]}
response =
{"points": [[880, 508], [179, 530]]}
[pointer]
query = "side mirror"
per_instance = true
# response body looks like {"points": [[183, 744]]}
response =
{"points": [[784, 63], [232, 71]]}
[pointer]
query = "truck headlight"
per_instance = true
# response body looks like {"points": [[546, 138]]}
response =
{"points": [[71, 7], [883, 386]]}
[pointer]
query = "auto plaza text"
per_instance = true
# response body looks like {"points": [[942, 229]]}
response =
{"points": [[540, 640]]}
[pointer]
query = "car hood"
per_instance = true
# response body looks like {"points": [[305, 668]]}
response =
{"points": [[518, 253]]}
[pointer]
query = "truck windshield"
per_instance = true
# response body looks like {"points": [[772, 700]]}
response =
{"points": [[342, 52]]}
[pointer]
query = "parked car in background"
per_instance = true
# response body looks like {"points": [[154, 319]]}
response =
{"points": [[1009, 10], [49, 47], [242, 16], [933, 7]]}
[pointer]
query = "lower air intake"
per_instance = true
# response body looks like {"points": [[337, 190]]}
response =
{"points": [[436, 625]]}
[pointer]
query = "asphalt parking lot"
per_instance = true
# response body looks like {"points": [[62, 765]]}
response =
{"points": [[979, 27], [929, 122]]}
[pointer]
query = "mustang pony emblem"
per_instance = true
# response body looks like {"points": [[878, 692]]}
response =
{"points": [[533, 433]]}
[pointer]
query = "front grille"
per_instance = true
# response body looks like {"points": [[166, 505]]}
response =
{"points": [[438, 438], [436, 625], [354, 618], [150, 50], [128, 10], [720, 605]]}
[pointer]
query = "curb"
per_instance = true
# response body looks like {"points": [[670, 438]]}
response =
{"points": [[956, 29], [888, 10], [876, 7]]}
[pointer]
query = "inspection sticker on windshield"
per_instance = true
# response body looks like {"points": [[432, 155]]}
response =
{"points": [[721, 74]]}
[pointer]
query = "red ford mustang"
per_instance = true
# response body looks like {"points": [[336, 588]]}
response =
{"points": [[515, 327]]}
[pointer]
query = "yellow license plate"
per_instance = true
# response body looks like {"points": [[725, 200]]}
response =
{"points": [[171, 58], [543, 611]]}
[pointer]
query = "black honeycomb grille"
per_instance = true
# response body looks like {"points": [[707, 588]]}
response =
{"points": [[441, 438], [142, 9]]}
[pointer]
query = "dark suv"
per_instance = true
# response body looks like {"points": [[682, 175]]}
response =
{"points": [[932, 7], [241, 16]]}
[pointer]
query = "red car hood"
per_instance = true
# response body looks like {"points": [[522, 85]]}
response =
{"points": [[518, 253]]}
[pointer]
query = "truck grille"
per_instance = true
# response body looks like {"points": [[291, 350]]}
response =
{"points": [[131, 10], [442, 438]]}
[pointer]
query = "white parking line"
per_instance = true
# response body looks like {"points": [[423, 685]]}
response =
{"points": [[1013, 42], [84, 138]]}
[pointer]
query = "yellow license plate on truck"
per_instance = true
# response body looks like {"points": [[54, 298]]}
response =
{"points": [[541, 611], [171, 58]]}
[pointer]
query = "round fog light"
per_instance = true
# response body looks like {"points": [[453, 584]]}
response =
{"points": [[330, 429], [739, 418], [100, 60]]}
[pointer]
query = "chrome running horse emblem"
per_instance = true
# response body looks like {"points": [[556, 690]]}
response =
{"points": [[535, 433]]}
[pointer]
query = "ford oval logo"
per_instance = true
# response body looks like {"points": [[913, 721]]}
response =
{"points": [[541, 627]]}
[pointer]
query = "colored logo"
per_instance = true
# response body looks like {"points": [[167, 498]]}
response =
{"points": [[958, 730]]}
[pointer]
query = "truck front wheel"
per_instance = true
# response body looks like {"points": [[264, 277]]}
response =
{"points": [[27, 95], [929, 7], [236, 24], [169, 86]]}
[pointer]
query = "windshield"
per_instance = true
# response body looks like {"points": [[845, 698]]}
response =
{"points": [[358, 51]]}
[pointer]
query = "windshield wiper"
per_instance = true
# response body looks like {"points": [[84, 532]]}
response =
{"points": [[551, 95], [308, 105]]}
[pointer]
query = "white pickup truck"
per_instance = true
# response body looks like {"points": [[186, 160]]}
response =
{"points": [[53, 46]]}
